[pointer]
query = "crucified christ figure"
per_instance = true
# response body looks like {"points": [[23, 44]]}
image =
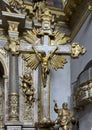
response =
{"points": [[45, 63], [35, 58]]}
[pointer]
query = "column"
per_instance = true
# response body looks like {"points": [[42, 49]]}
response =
{"points": [[13, 72], [14, 88]]}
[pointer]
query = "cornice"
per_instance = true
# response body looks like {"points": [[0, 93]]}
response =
{"points": [[77, 12]]}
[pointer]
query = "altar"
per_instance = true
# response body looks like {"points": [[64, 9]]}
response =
{"points": [[36, 47]]}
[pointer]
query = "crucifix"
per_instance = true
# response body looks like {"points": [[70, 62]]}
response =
{"points": [[46, 55]]}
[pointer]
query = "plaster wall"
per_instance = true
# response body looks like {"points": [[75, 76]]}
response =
{"points": [[84, 37]]}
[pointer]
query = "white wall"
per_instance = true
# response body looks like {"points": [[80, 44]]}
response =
{"points": [[85, 38], [60, 87]]}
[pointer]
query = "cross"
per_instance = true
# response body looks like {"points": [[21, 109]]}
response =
{"points": [[46, 33], [45, 91]]}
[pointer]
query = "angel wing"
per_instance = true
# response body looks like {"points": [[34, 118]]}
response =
{"points": [[57, 62], [32, 60]]}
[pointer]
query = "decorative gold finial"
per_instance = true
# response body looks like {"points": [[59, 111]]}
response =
{"points": [[76, 50]]}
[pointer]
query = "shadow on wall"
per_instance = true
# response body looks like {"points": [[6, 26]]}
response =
{"points": [[1, 70]]}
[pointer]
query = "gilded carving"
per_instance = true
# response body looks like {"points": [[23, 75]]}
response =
{"points": [[28, 113], [13, 42], [46, 18], [13, 26], [2, 51], [13, 106], [76, 50], [17, 4], [60, 38], [34, 59], [65, 116], [13, 45], [31, 36], [38, 7], [28, 89]]}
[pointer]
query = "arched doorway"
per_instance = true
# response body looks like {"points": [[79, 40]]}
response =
{"points": [[3, 89], [2, 94]]}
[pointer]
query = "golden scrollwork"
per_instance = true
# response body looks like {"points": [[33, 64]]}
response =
{"points": [[28, 89], [35, 58], [65, 116], [13, 45], [76, 50], [13, 106]]}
